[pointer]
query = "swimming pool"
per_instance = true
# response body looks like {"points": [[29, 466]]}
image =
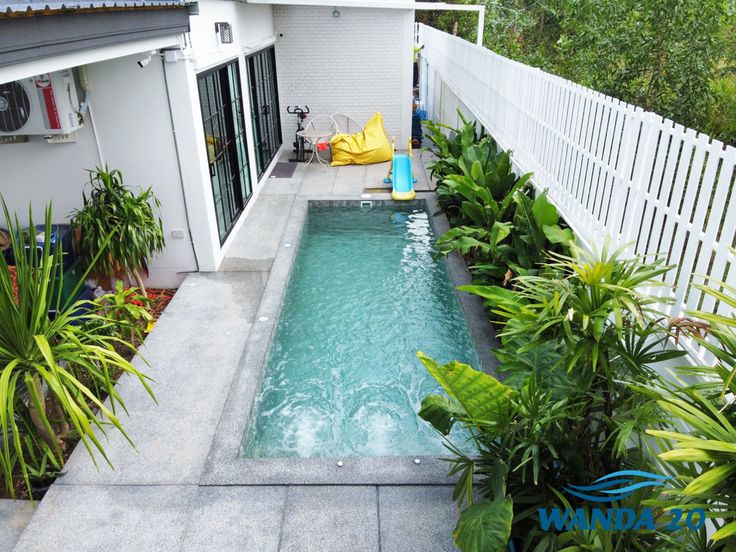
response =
{"points": [[342, 378]]}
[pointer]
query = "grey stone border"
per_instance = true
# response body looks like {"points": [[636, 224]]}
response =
{"points": [[224, 464]]}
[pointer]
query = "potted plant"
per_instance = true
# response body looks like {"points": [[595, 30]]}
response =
{"points": [[113, 208]]}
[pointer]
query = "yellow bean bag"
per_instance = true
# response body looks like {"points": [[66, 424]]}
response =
{"points": [[363, 148]]}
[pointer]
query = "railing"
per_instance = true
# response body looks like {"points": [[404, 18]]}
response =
{"points": [[611, 168]]}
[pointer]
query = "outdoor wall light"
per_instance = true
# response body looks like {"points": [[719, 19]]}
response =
{"points": [[335, 13]]}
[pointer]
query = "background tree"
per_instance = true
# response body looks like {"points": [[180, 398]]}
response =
{"points": [[674, 57]]}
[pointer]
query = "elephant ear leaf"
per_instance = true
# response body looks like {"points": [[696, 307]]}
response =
{"points": [[441, 412], [480, 396], [556, 234], [485, 526]]}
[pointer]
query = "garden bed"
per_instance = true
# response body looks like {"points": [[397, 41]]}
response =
{"points": [[159, 300]]}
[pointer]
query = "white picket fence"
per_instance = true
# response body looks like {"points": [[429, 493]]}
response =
{"points": [[611, 168]]}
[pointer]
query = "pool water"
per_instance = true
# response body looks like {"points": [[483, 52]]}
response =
{"points": [[342, 378]]}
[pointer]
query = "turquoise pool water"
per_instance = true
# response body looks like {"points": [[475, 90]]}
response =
{"points": [[342, 378]]}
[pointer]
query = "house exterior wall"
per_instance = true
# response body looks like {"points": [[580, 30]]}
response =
{"points": [[133, 133], [148, 121], [357, 64], [252, 27]]}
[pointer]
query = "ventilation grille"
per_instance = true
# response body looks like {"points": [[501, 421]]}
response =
{"points": [[225, 31]]}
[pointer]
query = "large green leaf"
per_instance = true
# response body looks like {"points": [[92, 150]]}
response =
{"points": [[544, 212], [556, 234], [482, 397], [441, 412], [485, 526]]}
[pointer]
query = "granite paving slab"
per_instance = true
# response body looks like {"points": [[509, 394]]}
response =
{"points": [[416, 519], [330, 519], [14, 516], [236, 518], [82, 518]]}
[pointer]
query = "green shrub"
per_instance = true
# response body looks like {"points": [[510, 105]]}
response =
{"points": [[53, 371], [576, 336], [111, 207]]}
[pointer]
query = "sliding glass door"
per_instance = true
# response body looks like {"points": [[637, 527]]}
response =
{"points": [[220, 98], [264, 107]]}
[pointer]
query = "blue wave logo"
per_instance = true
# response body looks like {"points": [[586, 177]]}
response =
{"points": [[617, 485]]}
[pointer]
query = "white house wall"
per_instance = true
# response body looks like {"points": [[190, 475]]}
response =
{"points": [[135, 130], [134, 134], [357, 64], [252, 27]]}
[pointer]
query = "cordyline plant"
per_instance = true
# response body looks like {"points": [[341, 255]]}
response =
{"points": [[53, 370], [111, 207]]}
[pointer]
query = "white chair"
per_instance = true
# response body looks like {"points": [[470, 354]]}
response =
{"points": [[346, 124], [318, 131]]}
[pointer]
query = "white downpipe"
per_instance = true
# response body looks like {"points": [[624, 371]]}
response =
{"points": [[87, 99], [481, 24]]}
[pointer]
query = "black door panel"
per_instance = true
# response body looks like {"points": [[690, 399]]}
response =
{"points": [[220, 98], [264, 102]]}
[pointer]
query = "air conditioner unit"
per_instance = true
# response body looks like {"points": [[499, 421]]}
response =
{"points": [[41, 105]]}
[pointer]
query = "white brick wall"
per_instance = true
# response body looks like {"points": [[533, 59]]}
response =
{"points": [[357, 64]]}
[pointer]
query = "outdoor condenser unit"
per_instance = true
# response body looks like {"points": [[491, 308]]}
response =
{"points": [[41, 105]]}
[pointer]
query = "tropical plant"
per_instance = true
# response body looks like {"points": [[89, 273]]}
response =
{"points": [[703, 456], [722, 328], [703, 453], [111, 207], [128, 307], [485, 177], [499, 250], [51, 367], [525, 455], [449, 144], [576, 337]]}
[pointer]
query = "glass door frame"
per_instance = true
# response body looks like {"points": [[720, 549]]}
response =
{"points": [[273, 135], [233, 158]]}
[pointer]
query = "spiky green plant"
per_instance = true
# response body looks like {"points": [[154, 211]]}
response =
{"points": [[53, 370]]}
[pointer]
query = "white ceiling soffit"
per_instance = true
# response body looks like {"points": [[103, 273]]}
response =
{"points": [[385, 4]]}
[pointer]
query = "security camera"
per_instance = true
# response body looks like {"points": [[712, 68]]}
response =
{"points": [[146, 60]]}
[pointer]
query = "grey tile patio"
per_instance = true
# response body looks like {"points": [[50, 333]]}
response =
{"points": [[236, 518], [14, 516], [193, 352], [330, 519], [81, 518], [416, 519], [257, 240]]}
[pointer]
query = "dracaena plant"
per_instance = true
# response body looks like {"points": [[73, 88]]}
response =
{"points": [[701, 455], [113, 207], [53, 370]]}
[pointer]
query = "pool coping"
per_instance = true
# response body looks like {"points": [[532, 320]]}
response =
{"points": [[224, 464]]}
